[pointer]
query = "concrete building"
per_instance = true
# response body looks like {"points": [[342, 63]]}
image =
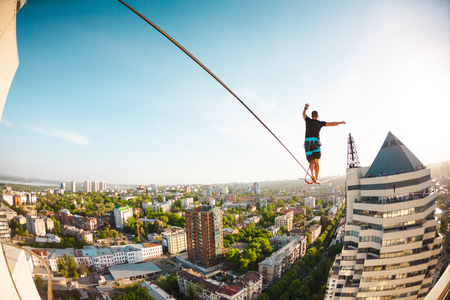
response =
{"points": [[95, 186], [87, 186], [204, 235], [278, 242], [280, 262], [65, 217], [8, 212], [35, 225], [209, 288], [121, 215], [285, 220], [102, 186], [174, 240], [310, 202], [5, 231], [391, 243], [73, 186], [185, 202], [155, 291]]}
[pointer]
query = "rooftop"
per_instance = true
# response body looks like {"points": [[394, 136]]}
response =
{"points": [[393, 158], [130, 270], [196, 278]]}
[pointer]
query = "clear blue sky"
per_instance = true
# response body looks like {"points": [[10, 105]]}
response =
{"points": [[101, 95]]}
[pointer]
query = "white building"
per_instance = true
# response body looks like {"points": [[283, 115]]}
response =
{"points": [[102, 186], [121, 215], [95, 186], [310, 202], [146, 205], [87, 186], [391, 242], [174, 240], [155, 291], [185, 202], [73, 185]]}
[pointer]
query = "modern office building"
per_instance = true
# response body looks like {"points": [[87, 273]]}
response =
{"points": [[204, 235], [62, 186], [73, 185], [121, 215], [391, 243]]}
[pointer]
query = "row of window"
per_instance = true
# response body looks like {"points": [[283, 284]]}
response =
{"points": [[394, 199], [405, 264], [400, 253], [390, 287], [394, 213], [370, 238], [393, 277], [397, 296], [389, 186], [402, 241]]}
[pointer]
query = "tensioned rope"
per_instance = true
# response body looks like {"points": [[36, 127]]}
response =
{"points": [[214, 76]]}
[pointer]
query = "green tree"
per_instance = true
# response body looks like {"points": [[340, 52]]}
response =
{"points": [[195, 291], [134, 292]]}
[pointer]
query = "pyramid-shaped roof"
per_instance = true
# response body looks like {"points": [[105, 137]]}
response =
{"points": [[393, 158]]}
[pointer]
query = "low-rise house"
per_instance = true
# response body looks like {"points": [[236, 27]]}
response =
{"points": [[252, 219], [48, 238], [227, 231]]}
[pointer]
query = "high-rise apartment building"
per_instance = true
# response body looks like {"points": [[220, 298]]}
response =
{"points": [[103, 186], [95, 186], [87, 186], [73, 186], [204, 235], [63, 186], [391, 243], [256, 188], [5, 232]]}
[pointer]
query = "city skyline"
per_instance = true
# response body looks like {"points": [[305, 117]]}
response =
{"points": [[109, 97]]}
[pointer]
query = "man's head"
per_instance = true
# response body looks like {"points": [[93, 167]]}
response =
{"points": [[315, 114]]}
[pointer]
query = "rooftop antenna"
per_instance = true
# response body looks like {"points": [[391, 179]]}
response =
{"points": [[352, 155]]}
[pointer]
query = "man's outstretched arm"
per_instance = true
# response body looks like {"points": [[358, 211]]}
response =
{"points": [[304, 111], [335, 123]]}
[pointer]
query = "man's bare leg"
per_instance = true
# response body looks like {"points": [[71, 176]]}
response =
{"points": [[312, 168], [316, 168]]}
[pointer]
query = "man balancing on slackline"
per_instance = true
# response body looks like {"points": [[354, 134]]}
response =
{"points": [[312, 141]]}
